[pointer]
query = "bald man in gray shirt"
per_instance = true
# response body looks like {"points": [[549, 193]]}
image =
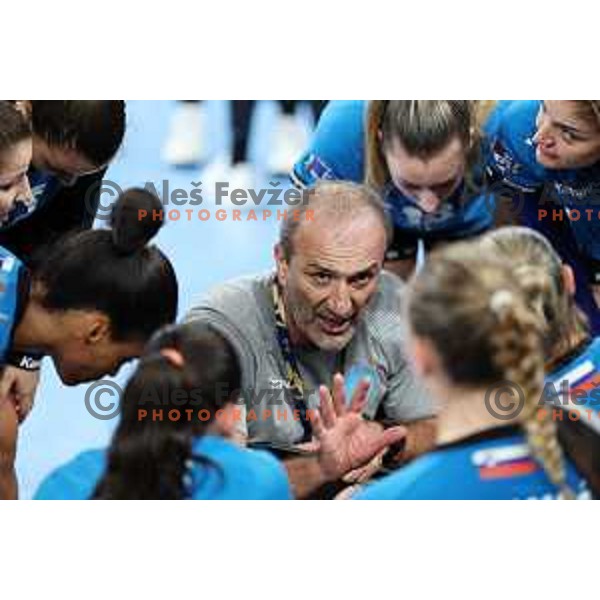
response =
{"points": [[329, 308]]}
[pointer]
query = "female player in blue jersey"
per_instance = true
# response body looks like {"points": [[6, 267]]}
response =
{"points": [[474, 337], [74, 141], [91, 303], [572, 355], [192, 369], [419, 154], [15, 157], [546, 156]]}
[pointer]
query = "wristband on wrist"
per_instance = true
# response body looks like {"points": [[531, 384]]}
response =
{"points": [[27, 362]]}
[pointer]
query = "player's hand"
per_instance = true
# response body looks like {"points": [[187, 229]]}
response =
{"points": [[19, 387]]}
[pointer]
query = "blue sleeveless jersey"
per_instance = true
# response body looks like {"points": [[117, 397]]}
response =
{"points": [[233, 473], [495, 465], [337, 152], [12, 273], [575, 387]]}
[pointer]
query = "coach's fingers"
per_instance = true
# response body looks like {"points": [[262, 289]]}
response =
{"points": [[317, 425], [326, 409], [339, 395]]}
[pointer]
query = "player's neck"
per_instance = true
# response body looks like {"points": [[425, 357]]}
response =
{"points": [[464, 414]]}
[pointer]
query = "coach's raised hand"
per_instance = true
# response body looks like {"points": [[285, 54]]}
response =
{"points": [[346, 440]]}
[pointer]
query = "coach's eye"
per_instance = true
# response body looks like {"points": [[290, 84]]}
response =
{"points": [[321, 278], [361, 280]]}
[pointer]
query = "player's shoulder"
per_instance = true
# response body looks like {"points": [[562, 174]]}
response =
{"points": [[418, 480], [246, 474], [586, 361], [512, 124], [513, 117], [336, 150], [345, 112], [74, 480], [509, 143]]}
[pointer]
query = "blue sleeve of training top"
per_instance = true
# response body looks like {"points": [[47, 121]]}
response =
{"points": [[509, 150], [75, 480], [337, 147]]}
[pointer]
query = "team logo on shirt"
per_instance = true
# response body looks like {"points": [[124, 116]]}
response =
{"points": [[363, 371], [317, 169], [278, 384], [589, 191], [504, 462], [503, 160]]}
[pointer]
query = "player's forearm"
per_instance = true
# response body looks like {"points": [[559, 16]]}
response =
{"points": [[8, 450], [420, 438], [8, 483]]}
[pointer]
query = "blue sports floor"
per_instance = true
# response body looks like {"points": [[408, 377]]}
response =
{"points": [[204, 253]]}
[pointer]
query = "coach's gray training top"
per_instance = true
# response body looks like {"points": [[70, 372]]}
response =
{"points": [[242, 310]]}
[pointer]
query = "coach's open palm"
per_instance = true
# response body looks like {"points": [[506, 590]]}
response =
{"points": [[346, 440]]}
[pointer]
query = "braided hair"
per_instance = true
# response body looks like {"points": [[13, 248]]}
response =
{"points": [[474, 311]]}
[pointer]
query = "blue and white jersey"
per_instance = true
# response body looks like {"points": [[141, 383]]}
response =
{"points": [[495, 465], [229, 473], [337, 152], [12, 278], [575, 386]]}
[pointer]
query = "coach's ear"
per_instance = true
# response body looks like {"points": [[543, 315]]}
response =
{"points": [[282, 264]]}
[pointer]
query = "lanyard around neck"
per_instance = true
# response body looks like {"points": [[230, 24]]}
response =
{"points": [[295, 383]]}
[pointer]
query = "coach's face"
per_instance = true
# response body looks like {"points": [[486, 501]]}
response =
{"points": [[330, 277]]}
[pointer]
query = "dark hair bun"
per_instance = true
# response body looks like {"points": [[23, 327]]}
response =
{"points": [[136, 218]]}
